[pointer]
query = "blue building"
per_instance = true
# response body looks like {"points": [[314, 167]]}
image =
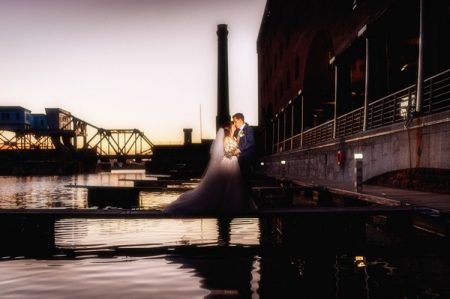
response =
{"points": [[13, 118], [39, 121]]}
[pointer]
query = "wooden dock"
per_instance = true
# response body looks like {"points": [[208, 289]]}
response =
{"points": [[266, 213], [159, 183], [122, 196]]}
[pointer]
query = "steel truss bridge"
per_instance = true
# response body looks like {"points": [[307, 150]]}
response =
{"points": [[77, 134]]}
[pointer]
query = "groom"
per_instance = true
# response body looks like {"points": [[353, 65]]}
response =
{"points": [[245, 153]]}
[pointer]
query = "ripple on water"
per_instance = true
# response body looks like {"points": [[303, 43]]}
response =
{"points": [[99, 278]]}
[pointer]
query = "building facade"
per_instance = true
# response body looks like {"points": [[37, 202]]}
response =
{"points": [[14, 118], [39, 121], [332, 69], [58, 119]]}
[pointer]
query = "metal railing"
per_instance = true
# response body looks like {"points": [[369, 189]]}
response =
{"points": [[436, 93], [350, 123], [391, 109], [394, 108], [321, 133]]}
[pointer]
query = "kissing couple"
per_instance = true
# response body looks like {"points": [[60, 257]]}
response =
{"points": [[225, 186]]}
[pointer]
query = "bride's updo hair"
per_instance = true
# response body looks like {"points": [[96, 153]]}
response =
{"points": [[227, 128]]}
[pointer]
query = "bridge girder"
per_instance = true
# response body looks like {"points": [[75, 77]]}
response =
{"points": [[108, 143]]}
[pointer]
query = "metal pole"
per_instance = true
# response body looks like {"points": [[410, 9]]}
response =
{"points": [[335, 100], [265, 139], [273, 136], [366, 87], [419, 97], [302, 122], [292, 125], [201, 133], [284, 129], [278, 134]]}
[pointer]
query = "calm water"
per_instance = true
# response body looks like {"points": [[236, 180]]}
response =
{"points": [[197, 258]]}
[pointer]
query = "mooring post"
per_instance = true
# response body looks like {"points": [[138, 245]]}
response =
{"points": [[358, 172]]}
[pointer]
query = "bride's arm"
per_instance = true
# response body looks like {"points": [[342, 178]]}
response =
{"points": [[226, 141]]}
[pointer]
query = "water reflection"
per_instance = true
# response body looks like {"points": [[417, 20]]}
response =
{"points": [[217, 272], [120, 277], [232, 273], [51, 191], [198, 258], [77, 234]]}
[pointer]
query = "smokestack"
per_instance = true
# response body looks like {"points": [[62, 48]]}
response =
{"points": [[223, 109], [187, 136]]}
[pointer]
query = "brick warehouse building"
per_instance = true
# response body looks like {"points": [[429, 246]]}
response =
{"points": [[312, 60]]}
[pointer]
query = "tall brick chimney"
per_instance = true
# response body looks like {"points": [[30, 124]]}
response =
{"points": [[223, 107], [187, 136]]}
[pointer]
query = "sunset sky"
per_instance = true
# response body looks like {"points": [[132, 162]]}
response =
{"points": [[146, 64]]}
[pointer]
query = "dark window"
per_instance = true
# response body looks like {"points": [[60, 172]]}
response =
{"points": [[17, 116], [297, 68]]}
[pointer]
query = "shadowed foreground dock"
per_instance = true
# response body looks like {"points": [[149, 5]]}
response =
{"points": [[265, 213]]}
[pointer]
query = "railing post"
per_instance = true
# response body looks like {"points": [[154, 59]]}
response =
{"points": [[278, 134], [302, 122], [366, 87], [419, 96], [430, 96], [408, 109], [273, 136], [292, 125], [284, 130]]}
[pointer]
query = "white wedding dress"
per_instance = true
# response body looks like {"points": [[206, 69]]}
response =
{"points": [[221, 189]]}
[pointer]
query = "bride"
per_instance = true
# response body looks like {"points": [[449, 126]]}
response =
{"points": [[221, 189]]}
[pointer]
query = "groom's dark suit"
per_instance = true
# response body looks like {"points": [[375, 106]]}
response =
{"points": [[246, 143], [246, 157]]}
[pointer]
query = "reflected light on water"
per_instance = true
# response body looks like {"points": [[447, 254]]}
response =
{"points": [[147, 233], [121, 277], [51, 191], [189, 258]]}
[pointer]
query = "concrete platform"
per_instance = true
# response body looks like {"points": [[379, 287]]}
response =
{"points": [[385, 195]]}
